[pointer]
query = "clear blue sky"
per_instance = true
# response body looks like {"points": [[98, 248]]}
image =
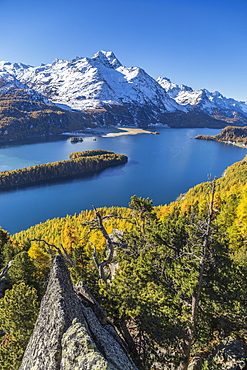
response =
{"points": [[200, 43]]}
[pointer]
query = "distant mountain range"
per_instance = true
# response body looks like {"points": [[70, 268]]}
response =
{"points": [[211, 103], [100, 91]]}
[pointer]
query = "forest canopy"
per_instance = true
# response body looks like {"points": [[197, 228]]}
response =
{"points": [[230, 135]]}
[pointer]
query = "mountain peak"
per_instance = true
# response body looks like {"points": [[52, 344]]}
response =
{"points": [[107, 58], [102, 81], [10, 67]]}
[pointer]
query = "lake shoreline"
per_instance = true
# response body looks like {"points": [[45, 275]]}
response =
{"points": [[111, 131], [160, 167], [130, 131], [230, 135], [222, 141]]}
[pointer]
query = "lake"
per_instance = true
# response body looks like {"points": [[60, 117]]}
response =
{"points": [[160, 167]]}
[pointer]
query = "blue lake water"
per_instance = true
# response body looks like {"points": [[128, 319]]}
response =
{"points": [[160, 167]]}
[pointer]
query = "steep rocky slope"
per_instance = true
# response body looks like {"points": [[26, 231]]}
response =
{"points": [[72, 331]]}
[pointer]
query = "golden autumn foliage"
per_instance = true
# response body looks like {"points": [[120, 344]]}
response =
{"points": [[230, 205], [229, 134], [70, 232], [159, 261], [23, 115], [230, 212]]}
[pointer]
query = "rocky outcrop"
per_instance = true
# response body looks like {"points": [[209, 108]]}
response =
{"points": [[230, 355], [196, 363], [72, 331]]}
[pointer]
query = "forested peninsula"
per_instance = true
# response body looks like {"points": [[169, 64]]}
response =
{"points": [[229, 135], [79, 164]]}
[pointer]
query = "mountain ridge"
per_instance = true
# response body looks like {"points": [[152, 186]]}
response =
{"points": [[107, 93], [210, 102]]}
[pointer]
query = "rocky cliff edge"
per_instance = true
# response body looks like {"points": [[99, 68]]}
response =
{"points": [[71, 331]]}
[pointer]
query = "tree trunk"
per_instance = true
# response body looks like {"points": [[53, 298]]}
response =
{"points": [[195, 299]]}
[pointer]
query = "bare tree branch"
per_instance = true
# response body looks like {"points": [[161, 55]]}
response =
{"points": [[64, 254], [4, 272], [97, 224]]}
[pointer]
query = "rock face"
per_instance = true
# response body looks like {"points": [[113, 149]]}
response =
{"points": [[72, 332], [230, 355], [196, 363]]}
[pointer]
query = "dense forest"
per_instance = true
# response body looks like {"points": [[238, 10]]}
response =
{"points": [[79, 164], [230, 135], [173, 278]]}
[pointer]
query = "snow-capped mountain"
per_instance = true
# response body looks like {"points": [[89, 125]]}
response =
{"points": [[114, 94], [209, 102], [9, 82], [8, 74], [89, 83]]}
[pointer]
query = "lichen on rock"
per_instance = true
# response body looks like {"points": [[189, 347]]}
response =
{"points": [[230, 354], [68, 335]]}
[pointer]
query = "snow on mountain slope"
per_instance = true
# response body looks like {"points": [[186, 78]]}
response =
{"points": [[88, 83], [171, 88], [107, 58], [8, 77], [13, 68], [203, 100], [10, 82]]}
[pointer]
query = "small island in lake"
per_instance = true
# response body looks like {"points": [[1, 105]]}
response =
{"points": [[229, 135], [76, 139], [79, 164]]}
